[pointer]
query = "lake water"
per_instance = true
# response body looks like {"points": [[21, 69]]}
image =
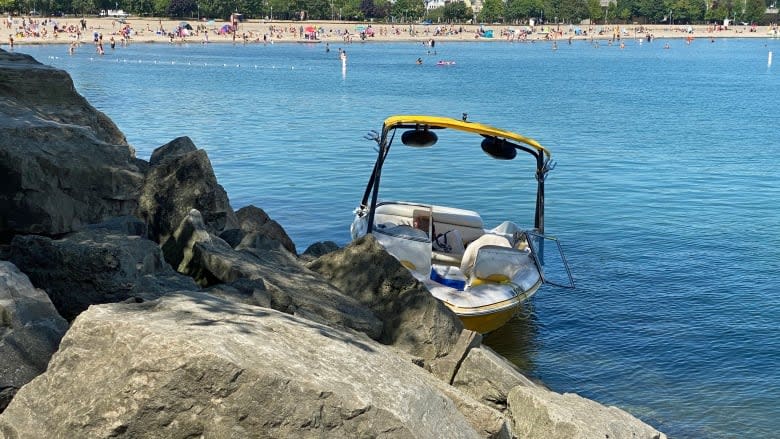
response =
{"points": [[665, 197]]}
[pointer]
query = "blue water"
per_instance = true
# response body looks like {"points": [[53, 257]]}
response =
{"points": [[666, 194]]}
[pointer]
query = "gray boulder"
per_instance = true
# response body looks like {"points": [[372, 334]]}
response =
{"points": [[95, 266], [318, 249], [489, 377], [539, 413], [175, 148], [30, 331], [123, 225], [254, 223], [192, 365], [64, 164], [182, 179], [279, 280], [414, 321]]}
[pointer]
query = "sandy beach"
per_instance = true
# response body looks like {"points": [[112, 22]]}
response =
{"points": [[71, 30]]}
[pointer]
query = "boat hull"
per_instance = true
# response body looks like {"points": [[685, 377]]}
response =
{"points": [[491, 317], [489, 322]]}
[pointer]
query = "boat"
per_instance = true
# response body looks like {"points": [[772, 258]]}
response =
{"points": [[482, 274]]}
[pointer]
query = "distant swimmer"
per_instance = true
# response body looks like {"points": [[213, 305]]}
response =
{"points": [[445, 63], [667, 46], [419, 61]]}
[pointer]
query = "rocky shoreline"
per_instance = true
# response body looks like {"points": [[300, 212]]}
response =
{"points": [[135, 302]]}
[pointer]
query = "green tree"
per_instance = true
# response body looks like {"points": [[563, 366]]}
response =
{"points": [[717, 12], [688, 11], [625, 9], [595, 11], [653, 10], [517, 10], [492, 10], [411, 10], [367, 8], [573, 11], [457, 11], [181, 8], [550, 9], [84, 7], [754, 11]]}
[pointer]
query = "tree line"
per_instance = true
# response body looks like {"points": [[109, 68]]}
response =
{"points": [[413, 11]]}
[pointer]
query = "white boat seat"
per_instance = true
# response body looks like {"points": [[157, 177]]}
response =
{"points": [[470, 255], [443, 214], [468, 223]]}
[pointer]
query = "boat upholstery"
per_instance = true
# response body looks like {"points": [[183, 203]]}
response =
{"points": [[467, 222], [470, 256]]}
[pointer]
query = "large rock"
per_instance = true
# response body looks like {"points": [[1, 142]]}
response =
{"points": [[279, 280], [256, 229], [414, 321], [64, 164], [192, 365], [540, 413], [180, 179], [95, 266], [488, 377], [30, 331]]}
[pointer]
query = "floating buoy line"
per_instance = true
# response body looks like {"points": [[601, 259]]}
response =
{"points": [[189, 63]]}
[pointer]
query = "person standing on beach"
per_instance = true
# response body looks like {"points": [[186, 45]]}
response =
{"points": [[11, 41]]}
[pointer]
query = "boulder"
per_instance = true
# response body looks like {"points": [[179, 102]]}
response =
{"points": [[539, 413], [37, 93], [123, 225], [488, 377], [175, 148], [318, 249], [182, 179], [95, 266], [254, 221], [414, 321], [284, 283], [30, 331], [192, 365], [64, 164]]}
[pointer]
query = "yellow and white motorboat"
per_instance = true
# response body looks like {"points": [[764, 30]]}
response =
{"points": [[483, 275]]}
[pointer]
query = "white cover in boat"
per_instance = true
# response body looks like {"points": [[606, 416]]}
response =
{"points": [[444, 214], [410, 246], [515, 265], [470, 256]]}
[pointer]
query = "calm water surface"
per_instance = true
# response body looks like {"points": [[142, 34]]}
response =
{"points": [[665, 195]]}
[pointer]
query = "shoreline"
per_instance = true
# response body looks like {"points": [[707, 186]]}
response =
{"points": [[156, 30]]}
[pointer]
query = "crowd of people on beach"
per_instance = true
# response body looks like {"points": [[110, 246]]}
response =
{"points": [[121, 31]]}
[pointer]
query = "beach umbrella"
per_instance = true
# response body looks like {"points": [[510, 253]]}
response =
{"points": [[310, 29], [185, 25]]}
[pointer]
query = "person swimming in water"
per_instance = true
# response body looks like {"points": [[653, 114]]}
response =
{"points": [[419, 61]]}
